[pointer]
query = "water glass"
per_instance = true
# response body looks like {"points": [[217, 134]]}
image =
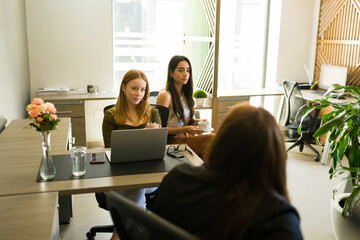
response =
{"points": [[78, 157]]}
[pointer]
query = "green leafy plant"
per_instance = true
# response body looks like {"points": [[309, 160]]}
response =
{"points": [[343, 126], [200, 94]]}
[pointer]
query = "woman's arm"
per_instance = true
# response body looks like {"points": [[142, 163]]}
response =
{"points": [[155, 119], [164, 99], [108, 126]]}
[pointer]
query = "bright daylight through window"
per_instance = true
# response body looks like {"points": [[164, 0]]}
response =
{"points": [[242, 44], [146, 36], [147, 33]]}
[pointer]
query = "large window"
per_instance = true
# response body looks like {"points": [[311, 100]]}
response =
{"points": [[147, 33], [242, 41]]}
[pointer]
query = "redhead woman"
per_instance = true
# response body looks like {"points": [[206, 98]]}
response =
{"points": [[177, 96], [131, 111], [240, 191]]}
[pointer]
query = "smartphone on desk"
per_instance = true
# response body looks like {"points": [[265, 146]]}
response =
{"points": [[97, 158]]}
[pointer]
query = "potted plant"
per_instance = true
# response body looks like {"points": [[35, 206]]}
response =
{"points": [[343, 128], [199, 96]]}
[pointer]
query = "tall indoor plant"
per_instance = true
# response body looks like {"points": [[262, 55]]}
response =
{"points": [[343, 126]]}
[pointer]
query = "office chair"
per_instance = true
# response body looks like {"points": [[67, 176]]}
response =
{"points": [[153, 96], [164, 114], [154, 93], [294, 102], [132, 222], [2, 123]]}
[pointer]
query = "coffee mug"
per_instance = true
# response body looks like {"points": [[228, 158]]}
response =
{"points": [[92, 89], [204, 125]]}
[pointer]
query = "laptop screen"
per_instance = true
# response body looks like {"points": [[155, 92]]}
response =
{"points": [[144, 144], [332, 75]]}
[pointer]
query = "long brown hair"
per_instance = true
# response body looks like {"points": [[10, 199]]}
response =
{"points": [[121, 107], [187, 90], [248, 158]]}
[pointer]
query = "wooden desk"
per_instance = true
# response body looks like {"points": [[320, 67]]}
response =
{"points": [[29, 216], [21, 156], [19, 164], [310, 96]]}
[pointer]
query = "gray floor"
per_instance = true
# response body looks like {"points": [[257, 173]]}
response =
{"points": [[309, 187]]}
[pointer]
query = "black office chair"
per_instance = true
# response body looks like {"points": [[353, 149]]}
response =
{"points": [[133, 223], [3, 123], [294, 102], [164, 114], [154, 93]]}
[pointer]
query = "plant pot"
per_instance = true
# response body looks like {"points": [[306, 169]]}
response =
{"points": [[199, 102], [342, 227]]}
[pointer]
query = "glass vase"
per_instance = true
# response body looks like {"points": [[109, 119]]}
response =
{"points": [[47, 167]]}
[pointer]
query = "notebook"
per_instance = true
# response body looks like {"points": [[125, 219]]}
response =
{"points": [[133, 145]]}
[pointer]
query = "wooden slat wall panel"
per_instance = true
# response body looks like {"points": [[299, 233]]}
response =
{"points": [[338, 40]]}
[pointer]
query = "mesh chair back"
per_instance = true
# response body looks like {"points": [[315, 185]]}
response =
{"points": [[132, 222], [294, 101], [108, 107], [164, 114]]}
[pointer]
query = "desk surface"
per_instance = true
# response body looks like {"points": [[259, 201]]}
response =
{"points": [[28, 208], [77, 97], [252, 92], [310, 96], [29, 216], [21, 156]]}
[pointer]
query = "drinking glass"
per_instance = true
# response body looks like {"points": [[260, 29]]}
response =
{"points": [[78, 157]]}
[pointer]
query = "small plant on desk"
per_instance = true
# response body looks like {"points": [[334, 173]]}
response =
{"points": [[199, 96]]}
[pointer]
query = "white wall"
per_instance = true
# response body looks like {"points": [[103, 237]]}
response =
{"points": [[292, 36], [14, 70], [70, 43]]}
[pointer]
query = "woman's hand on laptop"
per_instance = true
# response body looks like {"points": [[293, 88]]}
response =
{"points": [[152, 125]]}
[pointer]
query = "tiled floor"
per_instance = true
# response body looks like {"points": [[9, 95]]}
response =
{"points": [[309, 187]]}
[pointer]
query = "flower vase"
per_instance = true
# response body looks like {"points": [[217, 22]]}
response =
{"points": [[47, 167]]}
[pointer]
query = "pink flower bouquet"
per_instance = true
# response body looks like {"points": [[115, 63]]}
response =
{"points": [[42, 115]]}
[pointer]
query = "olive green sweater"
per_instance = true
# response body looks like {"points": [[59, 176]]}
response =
{"points": [[109, 124]]}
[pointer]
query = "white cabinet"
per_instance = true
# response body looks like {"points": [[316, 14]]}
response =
{"points": [[94, 114], [222, 105]]}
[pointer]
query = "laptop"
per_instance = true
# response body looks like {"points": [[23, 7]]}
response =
{"points": [[133, 145], [331, 75]]}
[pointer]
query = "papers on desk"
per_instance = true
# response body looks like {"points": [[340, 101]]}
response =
{"points": [[56, 91]]}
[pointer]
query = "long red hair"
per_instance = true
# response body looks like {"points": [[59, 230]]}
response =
{"points": [[121, 108]]}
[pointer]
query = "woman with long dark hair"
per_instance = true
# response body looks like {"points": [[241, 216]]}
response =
{"points": [[240, 192], [178, 97]]}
